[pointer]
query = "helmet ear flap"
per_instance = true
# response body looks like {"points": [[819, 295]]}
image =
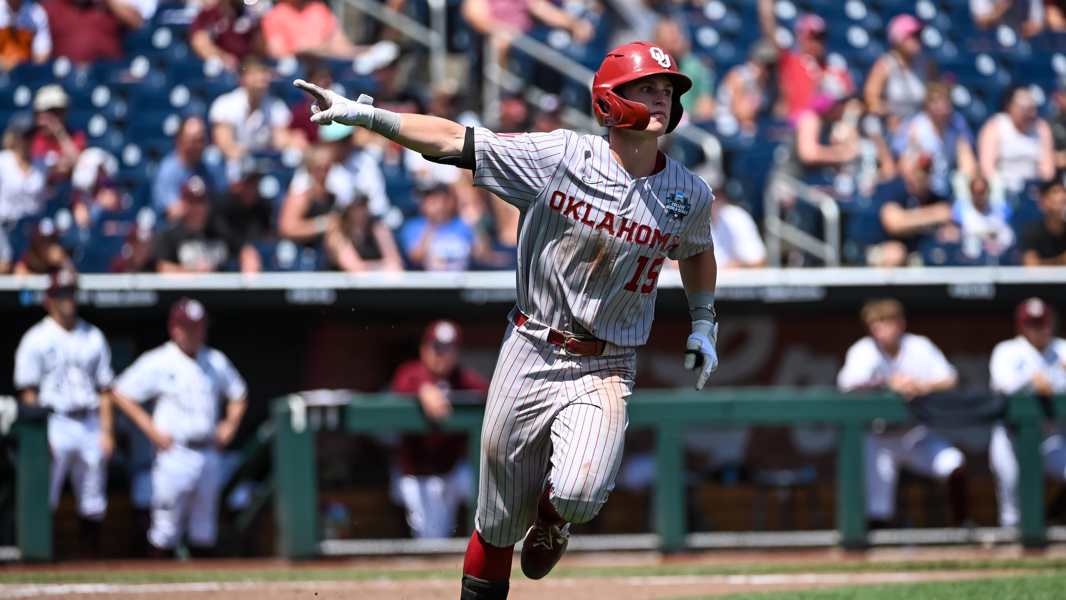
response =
{"points": [[613, 110], [676, 111]]}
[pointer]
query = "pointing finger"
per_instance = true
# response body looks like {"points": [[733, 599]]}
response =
{"points": [[310, 88]]}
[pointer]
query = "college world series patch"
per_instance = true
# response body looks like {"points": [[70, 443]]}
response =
{"points": [[677, 205]]}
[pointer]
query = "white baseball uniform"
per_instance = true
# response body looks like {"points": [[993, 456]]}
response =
{"points": [[69, 369], [1013, 364], [187, 477], [592, 240], [918, 448]]}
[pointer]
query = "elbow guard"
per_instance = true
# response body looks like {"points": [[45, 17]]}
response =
{"points": [[463, 160]]}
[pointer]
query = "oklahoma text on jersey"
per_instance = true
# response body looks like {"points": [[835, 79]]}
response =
{"points": [[644, 235]]}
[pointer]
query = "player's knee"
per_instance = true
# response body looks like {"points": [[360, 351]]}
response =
{"points": [[948, 461], [576, 508]]}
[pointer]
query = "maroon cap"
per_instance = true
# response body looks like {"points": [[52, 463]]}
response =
{"points": [[1033, 311], [194, 189], [187, 313], [62, 281], [442, 334]]}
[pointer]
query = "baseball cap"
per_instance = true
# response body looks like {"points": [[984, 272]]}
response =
{"points": [[50, 97], [901, 27], [1033, 311], [443, 334], [194, 189], [63, 282], [187, 313], [809, 25]]}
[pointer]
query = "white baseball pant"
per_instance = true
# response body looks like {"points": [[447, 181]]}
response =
{"points": [[551, 418], [919, 450], [75, 445]]}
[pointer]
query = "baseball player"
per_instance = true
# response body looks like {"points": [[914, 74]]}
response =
{"points": [[64, 364], [910, 365], [599, 217], [186, 378], [1035, 362]]}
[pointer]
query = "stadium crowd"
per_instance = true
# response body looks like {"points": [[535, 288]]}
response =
{"points": [[148, 136]]}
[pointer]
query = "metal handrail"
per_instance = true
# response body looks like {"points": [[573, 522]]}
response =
{"points": [[780, 232], [432, 38]]}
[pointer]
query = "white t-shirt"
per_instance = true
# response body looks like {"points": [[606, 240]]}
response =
{"points": [[253, 129], [186, 390], [1015, 361], [866, 366], [30, 17], [68, 368], [21, 192], [736, 237]]}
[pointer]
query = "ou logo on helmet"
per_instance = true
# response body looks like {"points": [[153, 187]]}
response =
{"points": [[659, 56]]}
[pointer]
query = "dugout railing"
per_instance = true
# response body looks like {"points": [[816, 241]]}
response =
{"points": [[668, 414]]}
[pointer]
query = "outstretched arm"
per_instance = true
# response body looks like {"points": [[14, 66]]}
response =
{"points": [[426, 134]]}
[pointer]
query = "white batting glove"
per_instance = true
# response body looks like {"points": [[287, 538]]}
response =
{"points": [[700, 352], [330, 107]]}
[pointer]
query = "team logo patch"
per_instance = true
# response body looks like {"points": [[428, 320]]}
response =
{"points": [[677, 205]]}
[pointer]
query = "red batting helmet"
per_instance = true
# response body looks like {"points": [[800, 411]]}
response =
{"points": [[628, 63]]}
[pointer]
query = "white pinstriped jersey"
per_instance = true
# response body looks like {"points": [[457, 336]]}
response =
{"points": [[592, 238], [68, 368]]}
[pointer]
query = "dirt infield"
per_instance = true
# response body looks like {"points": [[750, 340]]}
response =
{"points": [[583, 577]]}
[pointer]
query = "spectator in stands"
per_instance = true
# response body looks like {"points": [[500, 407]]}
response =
{"points": [[912, 214], [249, 120], [6, 253], [699, 101], [95, 191], [941, 133], [190, 244], [1044, 242], [439, 240], [185, 161], [44, 254], [1024, 16], [317, 195], [54, 142], [87, 31], [737, 244], [318, 73], [24, 33], [1032, 362], [502, 20], [986, 233], [242, 217], [895, 87], [358, 167], [1015, 146], [23, 181], [227, 31], [910, 365], [363, 242], [1058, 124], [434, 474], [805, 73], [749, 90], [136, 255], [309, 27], [1055, 15]]}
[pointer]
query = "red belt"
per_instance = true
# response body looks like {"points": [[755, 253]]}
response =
{"points": [[567, 341]]}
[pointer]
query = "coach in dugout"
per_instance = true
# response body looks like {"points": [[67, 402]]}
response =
{"points": [[63, 364], [1032, 362], [910, 365]]}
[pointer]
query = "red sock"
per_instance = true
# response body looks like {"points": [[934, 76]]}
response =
{"points": [[487, 562], [545, 511]]}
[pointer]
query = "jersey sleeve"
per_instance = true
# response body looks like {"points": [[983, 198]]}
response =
{"points": [[517, 167], [232, 384], [860, 366], [140, 381], [937, 364], [697, 236], [1003, 375], [28, 367], [103, 376]]}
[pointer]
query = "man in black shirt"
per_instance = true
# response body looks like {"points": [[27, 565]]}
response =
{"points": [[243, 217], [1044, 242], [911, 213], [188, 245]]}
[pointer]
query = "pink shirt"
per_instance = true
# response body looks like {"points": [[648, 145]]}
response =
{"points": [[289, 29], [514, 13]]}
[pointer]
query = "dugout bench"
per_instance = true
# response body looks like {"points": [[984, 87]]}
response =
{"points": [[668, 414]]}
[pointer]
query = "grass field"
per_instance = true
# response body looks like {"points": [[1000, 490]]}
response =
{"points": [[969, 574]]}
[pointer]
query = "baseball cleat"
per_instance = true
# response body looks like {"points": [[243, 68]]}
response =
{"points": [[544, 545]]}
